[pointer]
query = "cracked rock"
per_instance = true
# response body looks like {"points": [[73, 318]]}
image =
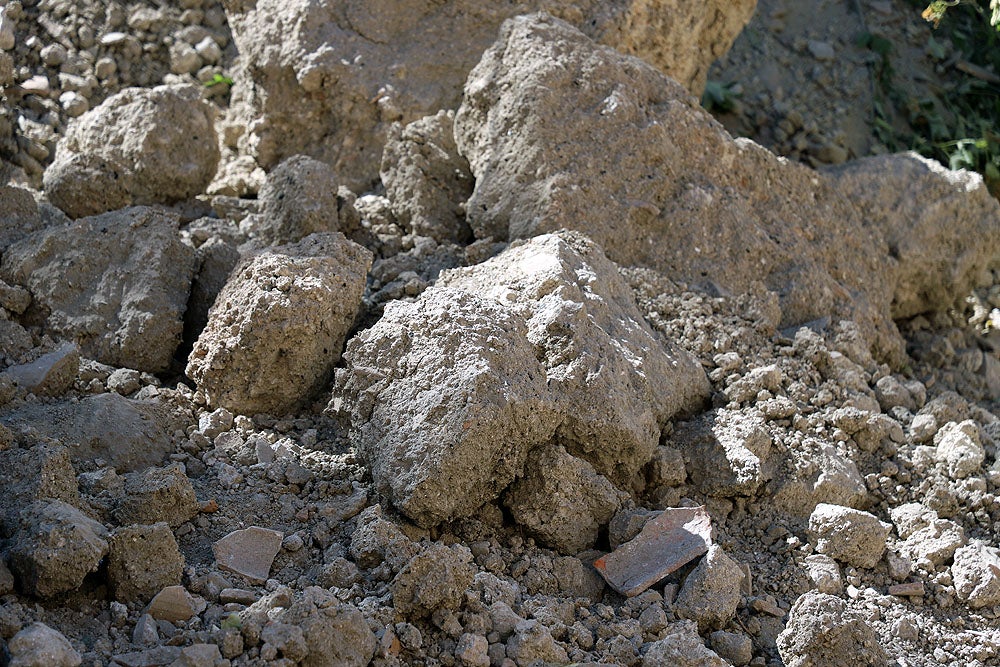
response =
{"points": [[54, 547], [848, 535]]}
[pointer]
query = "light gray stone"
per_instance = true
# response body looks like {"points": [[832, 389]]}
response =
{"points": [[976, 573], [712, 592], [822, 631], [50, 374], [332, 87], [848, 535], [140, 146], [38, 645], [278, 326], [117, 284]]}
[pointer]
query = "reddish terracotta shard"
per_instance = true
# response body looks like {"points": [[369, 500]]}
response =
{"points": [[675, 537]]}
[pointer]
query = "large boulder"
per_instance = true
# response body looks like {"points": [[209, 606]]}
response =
{"points": [[449, 394], [127, 434], [616, 383], [941, 225], [563, 133], [278, 326], [140, 146], [117, 284], [328, 79]]}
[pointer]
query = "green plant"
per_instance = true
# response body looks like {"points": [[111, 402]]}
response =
{"points": [[218, 79], [936, 10], [233, 620], [720, 97], [958, 123]]}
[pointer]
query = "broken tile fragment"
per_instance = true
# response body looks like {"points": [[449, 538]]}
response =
{"points": [[248, 552], [675, 537]]}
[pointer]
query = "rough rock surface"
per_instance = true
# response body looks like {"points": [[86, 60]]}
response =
{"points": [[127, 434], [216, 260], [426, 179], [607, 144], [19, 216], [327, 80], [712, 592], [335, 633], [141, 146], [39, 645], [551, 314], [615, 382], [561, 500], [797, 417], [50, 374], [681, 647], [821, 631], [728, 453], [54, 547], [299, 198], [142, 560], [927, 215], [958, 448], [436, 578], [977, 576], [117, 284], [157, 494], [279, 325], [460, 430], [36, 473], [848, 535]]}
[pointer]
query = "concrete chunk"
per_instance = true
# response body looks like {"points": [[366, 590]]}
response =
{"points": [[278, 327]]}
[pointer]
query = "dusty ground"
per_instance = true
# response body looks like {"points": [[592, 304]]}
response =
{"points": [[805, 91]]}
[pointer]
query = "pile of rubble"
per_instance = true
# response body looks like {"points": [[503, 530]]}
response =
{"points": [[517, 359]]}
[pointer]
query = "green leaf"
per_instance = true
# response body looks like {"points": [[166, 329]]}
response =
{"points": [[231, 621]]}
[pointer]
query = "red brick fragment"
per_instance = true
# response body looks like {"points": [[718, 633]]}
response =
{"points": [[675, 537]]}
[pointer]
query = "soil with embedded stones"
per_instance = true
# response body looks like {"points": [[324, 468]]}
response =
{"points": [[509, 355]]}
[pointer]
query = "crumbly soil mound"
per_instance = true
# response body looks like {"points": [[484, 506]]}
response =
{"points": [[583, 379]]}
